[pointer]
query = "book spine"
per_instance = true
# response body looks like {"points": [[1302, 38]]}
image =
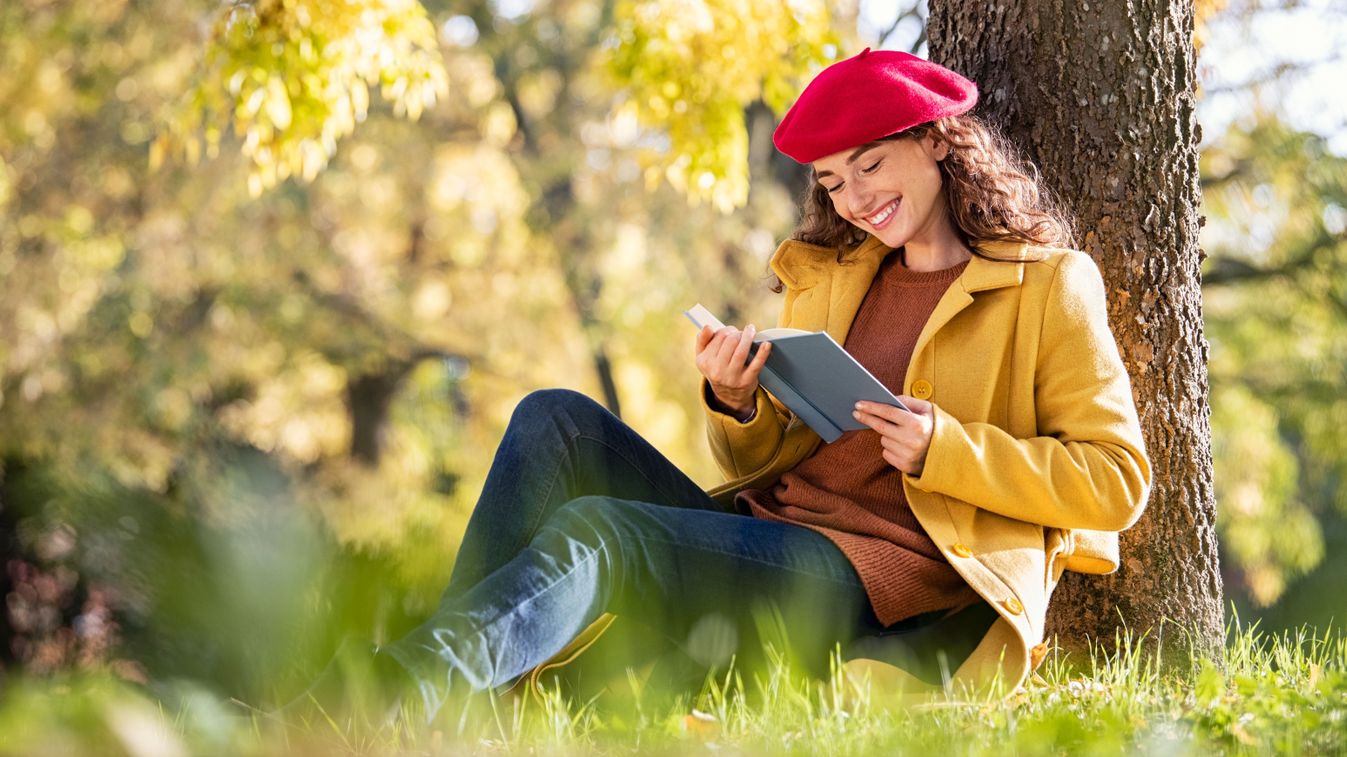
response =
{"points": [[795, 401]]}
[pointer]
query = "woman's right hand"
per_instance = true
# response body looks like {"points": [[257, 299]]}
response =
{"points": [[722, 357]]}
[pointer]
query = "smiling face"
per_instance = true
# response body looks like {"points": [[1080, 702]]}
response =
{"points": [[891, 189]]}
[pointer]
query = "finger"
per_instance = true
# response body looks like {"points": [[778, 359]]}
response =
{"points": [[902, 445], [891, 413], [740, 356], [904, 462], [760, 358], [728, 340], [866, 418], [920, 407], [896, 461], [712, 349], [720, 335], [880, 425]]}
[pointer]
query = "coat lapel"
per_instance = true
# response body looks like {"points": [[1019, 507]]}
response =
{"points": [[837, 289], [980, 276], [850, 284], [804, 266]]}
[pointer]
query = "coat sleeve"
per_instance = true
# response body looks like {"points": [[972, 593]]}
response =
{"points": [[1088, 468], [743, 448]]}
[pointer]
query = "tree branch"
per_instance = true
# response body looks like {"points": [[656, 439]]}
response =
{"points": [[1274, 74], [897, 22], [1226, 271]]}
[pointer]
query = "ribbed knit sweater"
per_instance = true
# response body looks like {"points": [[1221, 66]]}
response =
{"points": [[848, 492]]}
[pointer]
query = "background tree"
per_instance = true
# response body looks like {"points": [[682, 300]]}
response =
{"points": [[1101, 96]]}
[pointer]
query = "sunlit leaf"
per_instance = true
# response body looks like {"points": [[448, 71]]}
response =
{"points": [[690, 67], [289, 73]]}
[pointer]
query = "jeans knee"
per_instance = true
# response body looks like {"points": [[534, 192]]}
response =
{"points": [[552, 403]]}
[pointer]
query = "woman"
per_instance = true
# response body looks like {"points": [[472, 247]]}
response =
{"points": [[1021, 456]]}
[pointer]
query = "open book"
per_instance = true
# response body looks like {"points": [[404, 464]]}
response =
{"points": [[812, 375]]}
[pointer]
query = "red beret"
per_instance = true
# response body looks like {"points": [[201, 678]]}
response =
{"points": [[872, 95]]}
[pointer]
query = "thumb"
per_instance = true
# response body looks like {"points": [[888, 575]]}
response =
{"points": [[704, 338]]}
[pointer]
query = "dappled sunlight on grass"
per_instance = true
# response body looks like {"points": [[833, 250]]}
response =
{"points": [[1271, 693]]}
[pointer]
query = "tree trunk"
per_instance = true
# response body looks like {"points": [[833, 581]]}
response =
{"points": [[558, 215], [369, 401], [369, 396], [1100, 96]]}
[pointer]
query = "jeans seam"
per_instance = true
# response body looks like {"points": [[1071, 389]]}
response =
{"points": [[737, 556], [537, 524], [759, 561], [542, 514], [481, 627], [638, 468]]}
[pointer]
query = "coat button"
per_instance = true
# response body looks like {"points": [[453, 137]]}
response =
{"points": [[922, 389], [961, 550], [1013, 606]]}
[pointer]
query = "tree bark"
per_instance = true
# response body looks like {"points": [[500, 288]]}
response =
{"points": [[1100, 95]]}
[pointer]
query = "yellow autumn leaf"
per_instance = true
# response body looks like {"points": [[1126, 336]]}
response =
{"points": [[278, 103]]}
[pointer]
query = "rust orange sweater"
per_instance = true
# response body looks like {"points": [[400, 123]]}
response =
{"points": [[848, 492]]}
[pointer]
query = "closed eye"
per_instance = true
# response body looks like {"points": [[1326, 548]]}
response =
{"points": [[833, 190], [872, 167]]}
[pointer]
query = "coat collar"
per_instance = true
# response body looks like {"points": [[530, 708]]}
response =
{"points": [[983, 274], [801, 265]]}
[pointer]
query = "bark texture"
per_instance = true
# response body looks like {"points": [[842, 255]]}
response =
{"points": [[1100, 96]]}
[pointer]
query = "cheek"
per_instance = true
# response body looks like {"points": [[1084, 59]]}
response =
{"points": [[930, 181], [839, 206]]}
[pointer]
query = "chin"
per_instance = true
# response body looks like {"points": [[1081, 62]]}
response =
{"points": [[891, 239]]}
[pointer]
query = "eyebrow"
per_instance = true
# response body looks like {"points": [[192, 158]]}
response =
{"points": [[856, 154]]}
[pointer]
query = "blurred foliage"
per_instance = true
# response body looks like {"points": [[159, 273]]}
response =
{"points": [[291, 77], [671, 56], [254, 423], [1203, 12], [194, 598], [1276, 312]]}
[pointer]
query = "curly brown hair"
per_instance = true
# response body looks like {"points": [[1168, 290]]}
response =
{"points": [[993, 195]]}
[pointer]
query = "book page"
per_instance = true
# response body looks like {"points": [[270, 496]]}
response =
{"points": [[702, 317], [767, 335]]}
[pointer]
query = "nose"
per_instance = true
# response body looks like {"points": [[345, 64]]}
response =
{"points": [[861, 197]]}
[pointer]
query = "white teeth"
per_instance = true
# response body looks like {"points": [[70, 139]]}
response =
{"points": [[884, 214]]}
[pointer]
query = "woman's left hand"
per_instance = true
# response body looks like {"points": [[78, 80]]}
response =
{"points": [[905, 436]]}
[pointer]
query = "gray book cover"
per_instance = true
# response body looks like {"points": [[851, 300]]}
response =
{"points": [[813, 376]]}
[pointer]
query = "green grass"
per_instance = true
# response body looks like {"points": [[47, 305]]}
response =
{"points": [[1283, 694]]}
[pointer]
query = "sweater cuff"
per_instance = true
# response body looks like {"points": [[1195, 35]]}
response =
{"points": [[715, 405]]}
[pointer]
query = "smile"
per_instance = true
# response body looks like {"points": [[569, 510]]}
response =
{"points": [[884, 213]]}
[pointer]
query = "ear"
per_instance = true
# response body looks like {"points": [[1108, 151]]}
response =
{"points": [[938, 149]]}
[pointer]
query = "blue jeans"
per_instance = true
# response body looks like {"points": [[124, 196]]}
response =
{"points": [[579, 516]]}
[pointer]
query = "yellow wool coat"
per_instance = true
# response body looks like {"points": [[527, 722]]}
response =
{"points": [[1036, 459]]}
